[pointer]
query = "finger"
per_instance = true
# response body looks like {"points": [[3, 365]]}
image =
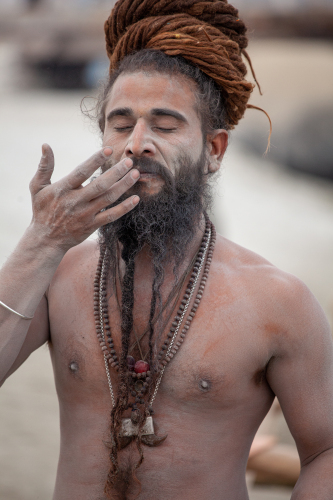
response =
{"points": [[45, 170], [98, 187], [116, 191], [81, 173], [116, 212]]}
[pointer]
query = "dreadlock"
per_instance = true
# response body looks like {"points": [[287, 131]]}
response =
{"points": [[129, 252], [131, 248]]}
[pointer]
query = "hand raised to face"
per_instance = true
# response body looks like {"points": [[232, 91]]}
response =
{"points": [[66, 213]]}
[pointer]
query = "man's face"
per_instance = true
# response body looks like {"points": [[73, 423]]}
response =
{"points": [[154, 116]]}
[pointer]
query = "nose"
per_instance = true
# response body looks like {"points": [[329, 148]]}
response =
{"points": [[140, 143]]}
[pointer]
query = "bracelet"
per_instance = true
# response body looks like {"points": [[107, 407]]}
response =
{"points": [[15, 312]]}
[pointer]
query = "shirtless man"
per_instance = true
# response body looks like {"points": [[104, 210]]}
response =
{"points": [[256, 332]]}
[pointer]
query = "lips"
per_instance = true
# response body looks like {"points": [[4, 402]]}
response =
{"points": [[150, 169], [146, 171]]}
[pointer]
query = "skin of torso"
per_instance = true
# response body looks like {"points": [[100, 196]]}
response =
{"points": [[210, 429]]}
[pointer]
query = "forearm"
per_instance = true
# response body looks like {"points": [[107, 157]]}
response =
{"points": [[316, 479], [23, 280], [64, 215]]}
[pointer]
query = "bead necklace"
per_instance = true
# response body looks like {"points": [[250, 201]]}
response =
{"points": [[173, 297], [139, 373]]}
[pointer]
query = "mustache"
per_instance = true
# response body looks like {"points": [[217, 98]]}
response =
{"points": [[149, 166], [146, 165]]}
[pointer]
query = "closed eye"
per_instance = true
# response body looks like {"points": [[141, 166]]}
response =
{"points": [[121, 129], [162, 129], [167, 130]]}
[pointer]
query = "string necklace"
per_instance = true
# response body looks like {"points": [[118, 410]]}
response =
{"points": [[140, 374]]}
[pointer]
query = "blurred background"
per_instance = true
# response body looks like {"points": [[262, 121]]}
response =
{"points": [[279, 205]]}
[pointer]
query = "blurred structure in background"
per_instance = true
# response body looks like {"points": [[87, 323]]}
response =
{"points": [[60, 42], [61, 45], [289, 18]]}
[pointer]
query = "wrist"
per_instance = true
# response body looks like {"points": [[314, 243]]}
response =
{"points": [[38, 244]]}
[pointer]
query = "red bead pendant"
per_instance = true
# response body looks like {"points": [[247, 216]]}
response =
{"points": [[141, 366]]}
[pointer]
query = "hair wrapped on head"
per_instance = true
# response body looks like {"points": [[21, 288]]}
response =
{"points": [[208, 34]]}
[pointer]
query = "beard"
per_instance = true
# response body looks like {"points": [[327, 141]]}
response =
{"points": [[166, 221]]}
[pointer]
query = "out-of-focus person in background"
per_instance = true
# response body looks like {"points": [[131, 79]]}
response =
{"points": [[56, 68]]}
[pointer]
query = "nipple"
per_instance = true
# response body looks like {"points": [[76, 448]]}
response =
{"points": [[73, 366], [204, 385]]}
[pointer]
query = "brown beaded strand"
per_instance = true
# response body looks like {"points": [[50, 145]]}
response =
{"points": [[175, 347], [102, 321], [171, 347]]}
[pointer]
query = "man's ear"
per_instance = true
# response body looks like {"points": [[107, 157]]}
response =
{"points": [[217, 143]]}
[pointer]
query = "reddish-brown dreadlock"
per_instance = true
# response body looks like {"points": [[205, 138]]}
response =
{"points": [[208, 34]]}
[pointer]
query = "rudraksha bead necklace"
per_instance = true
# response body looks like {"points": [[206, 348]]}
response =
{"points": [[140, 371], [173, 297]]}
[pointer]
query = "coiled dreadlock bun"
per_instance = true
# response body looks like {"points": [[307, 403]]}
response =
{"points": [[208, 34]]}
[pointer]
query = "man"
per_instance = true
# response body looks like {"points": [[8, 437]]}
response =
{"points": [[183, 337]]}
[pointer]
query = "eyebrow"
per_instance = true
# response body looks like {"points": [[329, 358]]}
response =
{"points": [[155, 112], [119, 112], [169, 112]]}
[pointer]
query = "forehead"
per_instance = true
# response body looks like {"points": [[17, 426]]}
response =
{"points": [[144, 91]]}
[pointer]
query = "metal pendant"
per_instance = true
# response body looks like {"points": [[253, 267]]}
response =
{"points": [[129, 429]]}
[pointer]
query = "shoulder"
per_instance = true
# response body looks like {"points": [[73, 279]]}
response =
{"points": [[80, 260], [283, 301], [85, 251], [253, 270], [248, 268]]}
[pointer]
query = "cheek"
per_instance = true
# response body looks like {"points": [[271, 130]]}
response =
{"points": [[190, 147], [108, 139], [115, 143], [192, 142]]}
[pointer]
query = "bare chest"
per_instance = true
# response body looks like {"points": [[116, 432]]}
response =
{"points": [[220, 366]]}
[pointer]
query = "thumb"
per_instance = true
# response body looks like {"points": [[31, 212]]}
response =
{"points": [[45, 170]]}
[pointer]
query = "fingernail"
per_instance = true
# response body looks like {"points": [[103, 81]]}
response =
{"points": [[135, 174], [135, 200], [128, 162], [107, 151]]}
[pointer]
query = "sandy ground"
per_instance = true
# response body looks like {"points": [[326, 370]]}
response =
{"points": [[284, 216]]}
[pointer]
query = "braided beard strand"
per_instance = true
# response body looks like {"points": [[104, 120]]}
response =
{"points": [[166, 222]]}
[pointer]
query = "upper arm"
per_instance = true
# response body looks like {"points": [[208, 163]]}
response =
{"points": [[37, 335], [301, 372]]}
